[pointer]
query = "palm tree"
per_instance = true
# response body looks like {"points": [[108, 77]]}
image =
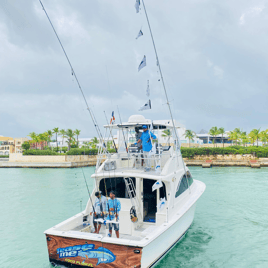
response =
{"points": [[50, 134], [264, 136], [256, 134], [244, 138], [189, 134], [56, 131], [77, 133], [221, 131], [70, 134], [167, 134], [33, 136], [63, 134], [41, 138], [214, 131], [235, 135], [93, 143]]}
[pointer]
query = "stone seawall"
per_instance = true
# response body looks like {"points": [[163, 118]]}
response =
{"points": [[227, 161], [49, 161]]}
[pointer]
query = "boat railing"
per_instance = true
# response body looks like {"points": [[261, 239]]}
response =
{"points": [[135, 160]]}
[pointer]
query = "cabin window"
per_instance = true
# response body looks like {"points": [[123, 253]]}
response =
{"points": [[183, 185], [116, 184]]}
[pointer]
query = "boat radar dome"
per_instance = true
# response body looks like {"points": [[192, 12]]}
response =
{"points": [[136, 119]]}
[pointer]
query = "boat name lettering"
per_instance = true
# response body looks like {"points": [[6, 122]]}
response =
{"points": [[73, 251]]}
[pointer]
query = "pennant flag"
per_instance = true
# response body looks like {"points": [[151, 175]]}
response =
{"points": [[162, 204], [158, 168], [142, 64], [148, 90], [146, 106], [137, 6], [112, 119], [139, 34], [157, 185]]}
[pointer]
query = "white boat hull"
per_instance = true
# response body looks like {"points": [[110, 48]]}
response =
{"points": [[160, 246]]}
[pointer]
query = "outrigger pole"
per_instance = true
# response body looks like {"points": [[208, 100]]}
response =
{"points": [[74, 74], [164, 86]]}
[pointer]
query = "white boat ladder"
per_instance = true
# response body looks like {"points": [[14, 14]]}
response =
{"points": [[133, 199]]}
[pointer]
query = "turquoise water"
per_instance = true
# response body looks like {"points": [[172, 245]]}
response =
{"points": [[230, 228]]}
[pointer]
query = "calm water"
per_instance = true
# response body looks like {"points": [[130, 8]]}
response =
{"points": [[230, 227]]}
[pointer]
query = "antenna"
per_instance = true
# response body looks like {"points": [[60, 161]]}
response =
{"points": [[122, 128], [110, 131], [74, 74]]}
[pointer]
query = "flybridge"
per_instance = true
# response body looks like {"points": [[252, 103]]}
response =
{"points": [[130, 156], [139, 121]]}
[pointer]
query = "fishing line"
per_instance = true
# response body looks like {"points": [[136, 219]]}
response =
{"points": [[88, 190], [74, 74]]}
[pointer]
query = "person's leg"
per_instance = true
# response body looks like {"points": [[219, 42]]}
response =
{"points": [[99, 228], [110, 229], [116, 229], [147, 160], [95, 223]]}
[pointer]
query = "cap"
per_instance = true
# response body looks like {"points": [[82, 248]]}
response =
{"points": [[97, 193], [112, 192], [144, 127]]}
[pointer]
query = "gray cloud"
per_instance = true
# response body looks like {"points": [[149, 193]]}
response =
{"points": [[213, 55]]}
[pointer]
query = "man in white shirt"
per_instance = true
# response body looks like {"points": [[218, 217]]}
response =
{"points": [[99, 210]]}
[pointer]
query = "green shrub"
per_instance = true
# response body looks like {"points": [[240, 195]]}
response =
{"points": [[84, 151], [257, 151], [78, 151], [4, 156], [39, 152]]}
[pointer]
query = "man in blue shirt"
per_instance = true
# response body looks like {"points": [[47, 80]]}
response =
{"points": [[113, 207], [146, 138]]}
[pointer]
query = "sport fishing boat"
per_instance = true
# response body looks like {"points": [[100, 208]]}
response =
{"points": [[157, 205], [157, 202]]}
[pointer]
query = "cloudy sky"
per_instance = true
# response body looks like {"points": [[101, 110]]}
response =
{"points": [[213, 54]]}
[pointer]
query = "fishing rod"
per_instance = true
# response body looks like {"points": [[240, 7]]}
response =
{"points": [[88, 191], [74, 74], [122, 129], [110, 132]]}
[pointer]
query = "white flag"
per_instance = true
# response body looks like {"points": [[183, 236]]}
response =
{"points": [[142, 64], [162, 204], [146, 106], [137, 5], [157, 185], [158, 167], [148, 90], [139, 34]]}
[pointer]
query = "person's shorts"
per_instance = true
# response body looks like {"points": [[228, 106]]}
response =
{"points": [[98, 216], [115, 225]]}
